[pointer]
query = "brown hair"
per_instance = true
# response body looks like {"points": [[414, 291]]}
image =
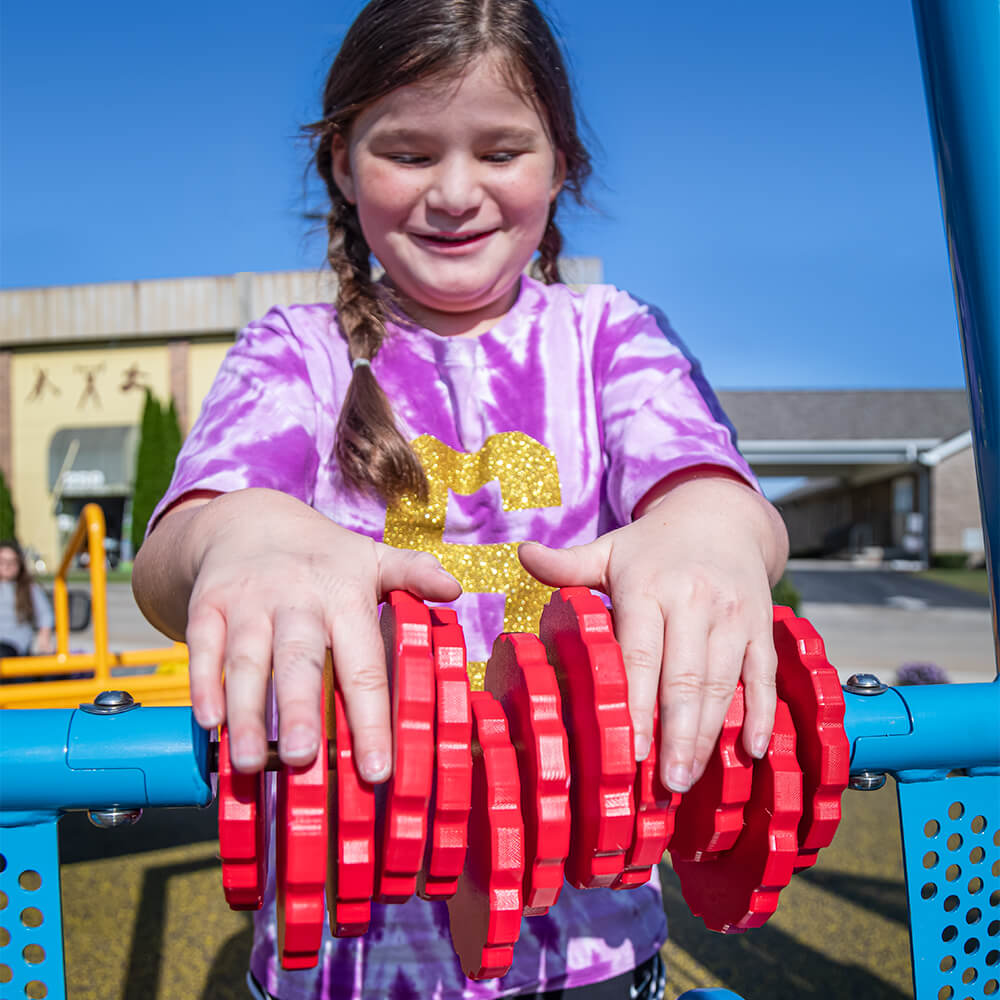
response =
{"points": [[391, 44], [24, 606]]}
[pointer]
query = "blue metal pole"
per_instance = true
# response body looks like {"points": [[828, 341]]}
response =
{"points": [[960, 53]]}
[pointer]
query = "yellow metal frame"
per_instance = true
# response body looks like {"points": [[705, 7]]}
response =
{"points": [[167, 686]]}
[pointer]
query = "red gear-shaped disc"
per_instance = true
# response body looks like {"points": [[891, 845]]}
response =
{"points": [[242, 832], [485, 912], [655, 814], [576, 629], [739, 889], [402, 834], [452, 788], [351, 870], [710, 817], [521, 678], [301, 855], [811, 687]]}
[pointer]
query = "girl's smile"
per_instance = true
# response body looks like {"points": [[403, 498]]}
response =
{"points": [[453, 180]]}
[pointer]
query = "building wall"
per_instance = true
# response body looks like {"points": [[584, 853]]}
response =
{"points": [[956, 517], [56, 389]]}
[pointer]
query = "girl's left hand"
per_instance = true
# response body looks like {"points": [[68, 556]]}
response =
{"points": [[690, 582]]}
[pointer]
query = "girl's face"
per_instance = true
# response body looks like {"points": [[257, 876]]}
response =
{"points": [[10, 565], [453, 181]]}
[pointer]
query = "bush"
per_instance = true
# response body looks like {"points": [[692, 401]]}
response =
{"points": [[950, 560], [8, 524], [921, 673], [785, 592]]}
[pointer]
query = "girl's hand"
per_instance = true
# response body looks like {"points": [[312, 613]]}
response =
{"points": [[689, 582], [45, 641], [273, 584]]}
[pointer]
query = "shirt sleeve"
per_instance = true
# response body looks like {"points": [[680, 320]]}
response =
{"points": [[257, 426], [44, 617], [659, 414]]}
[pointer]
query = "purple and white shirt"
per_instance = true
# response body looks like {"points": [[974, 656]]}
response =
{"points": [[550, 426]]}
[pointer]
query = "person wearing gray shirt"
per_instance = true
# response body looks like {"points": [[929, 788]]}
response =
{"points": [[24, 607]]}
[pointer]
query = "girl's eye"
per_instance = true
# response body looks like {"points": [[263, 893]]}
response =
{"points": [[500, 157], [408, 159]]}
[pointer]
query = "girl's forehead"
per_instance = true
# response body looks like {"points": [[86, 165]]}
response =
{"points": [[483, 90]]}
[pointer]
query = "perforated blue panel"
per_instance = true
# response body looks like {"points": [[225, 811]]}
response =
{"points": [[31, 947], [951, 852]]}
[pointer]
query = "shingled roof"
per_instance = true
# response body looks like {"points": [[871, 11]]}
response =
{"points": [[844, 415]]}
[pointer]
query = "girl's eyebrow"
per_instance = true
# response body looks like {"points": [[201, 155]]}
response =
{"points": [[504, 134]]}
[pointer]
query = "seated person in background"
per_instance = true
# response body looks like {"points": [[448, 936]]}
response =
{"points": [[24, 607]]}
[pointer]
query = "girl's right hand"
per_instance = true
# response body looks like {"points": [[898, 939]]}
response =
{"points": [[273, 584]]}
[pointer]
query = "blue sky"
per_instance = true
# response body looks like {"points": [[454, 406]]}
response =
{"points": [[764, 171]]}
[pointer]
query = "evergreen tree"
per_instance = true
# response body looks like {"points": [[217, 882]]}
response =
{"points": [[7, 517], [149, 461]]}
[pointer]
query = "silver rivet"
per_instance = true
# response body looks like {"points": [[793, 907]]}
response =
{"points": [[867, 781], [864, 684], [107, 699], [108, 819]]}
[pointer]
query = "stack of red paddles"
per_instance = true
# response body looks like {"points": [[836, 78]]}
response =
{"points": [[498, 796]]}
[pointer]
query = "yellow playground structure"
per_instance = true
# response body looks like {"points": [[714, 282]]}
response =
{"points": [[64, 679]]}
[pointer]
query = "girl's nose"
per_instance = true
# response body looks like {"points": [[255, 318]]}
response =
{"points": [[456, 189]]}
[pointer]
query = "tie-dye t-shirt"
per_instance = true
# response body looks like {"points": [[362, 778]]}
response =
{"points": [[551, 426]]}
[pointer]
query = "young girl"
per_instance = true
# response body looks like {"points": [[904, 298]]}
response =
{"points": [[26, 620], [413, 435]]}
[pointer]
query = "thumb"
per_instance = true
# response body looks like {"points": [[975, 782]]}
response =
{"points": [[576, 566], [417, 572]]}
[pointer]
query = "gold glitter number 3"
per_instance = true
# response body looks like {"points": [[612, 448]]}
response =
{"points": [[528, 477]]}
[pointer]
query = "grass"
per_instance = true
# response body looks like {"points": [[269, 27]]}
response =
{"points": [[123, 574], [965, 579]]}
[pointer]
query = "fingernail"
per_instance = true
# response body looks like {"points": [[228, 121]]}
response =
{"points": [[299, 744], [679, 777], [642, 745], [375, 767], [441, 571], [245, 755], [759, 746]]}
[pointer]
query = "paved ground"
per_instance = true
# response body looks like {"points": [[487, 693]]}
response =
{"points": [[874, 621], [870, 620]]}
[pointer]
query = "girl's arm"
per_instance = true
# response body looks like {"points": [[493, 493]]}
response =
{"points": [[690, 582], [256, 580]]}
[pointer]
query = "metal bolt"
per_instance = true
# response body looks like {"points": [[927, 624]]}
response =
{"points": [[864, 684], [107, 819], [111, 703], [867, 781]]}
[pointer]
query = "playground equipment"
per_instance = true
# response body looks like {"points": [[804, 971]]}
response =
{"points": [[42, 682], [940, 743]]}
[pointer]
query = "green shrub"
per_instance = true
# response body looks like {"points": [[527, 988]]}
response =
{"points": [[8, 523], [785, 592], [949, 560], [159, 443]]}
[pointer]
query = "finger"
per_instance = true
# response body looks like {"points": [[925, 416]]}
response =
{"points": [[206, 640], [724, 660], [681, 696], [417, 572], [247, 665], [298, 655], [640, 630], [576, 566], [759, 666], [359, 663]]}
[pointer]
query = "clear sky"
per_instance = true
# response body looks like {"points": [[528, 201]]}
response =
{"points": [[764, 171]]}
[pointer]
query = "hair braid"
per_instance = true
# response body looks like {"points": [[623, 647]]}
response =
{"points": [[547, 264], [372, 454]]}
